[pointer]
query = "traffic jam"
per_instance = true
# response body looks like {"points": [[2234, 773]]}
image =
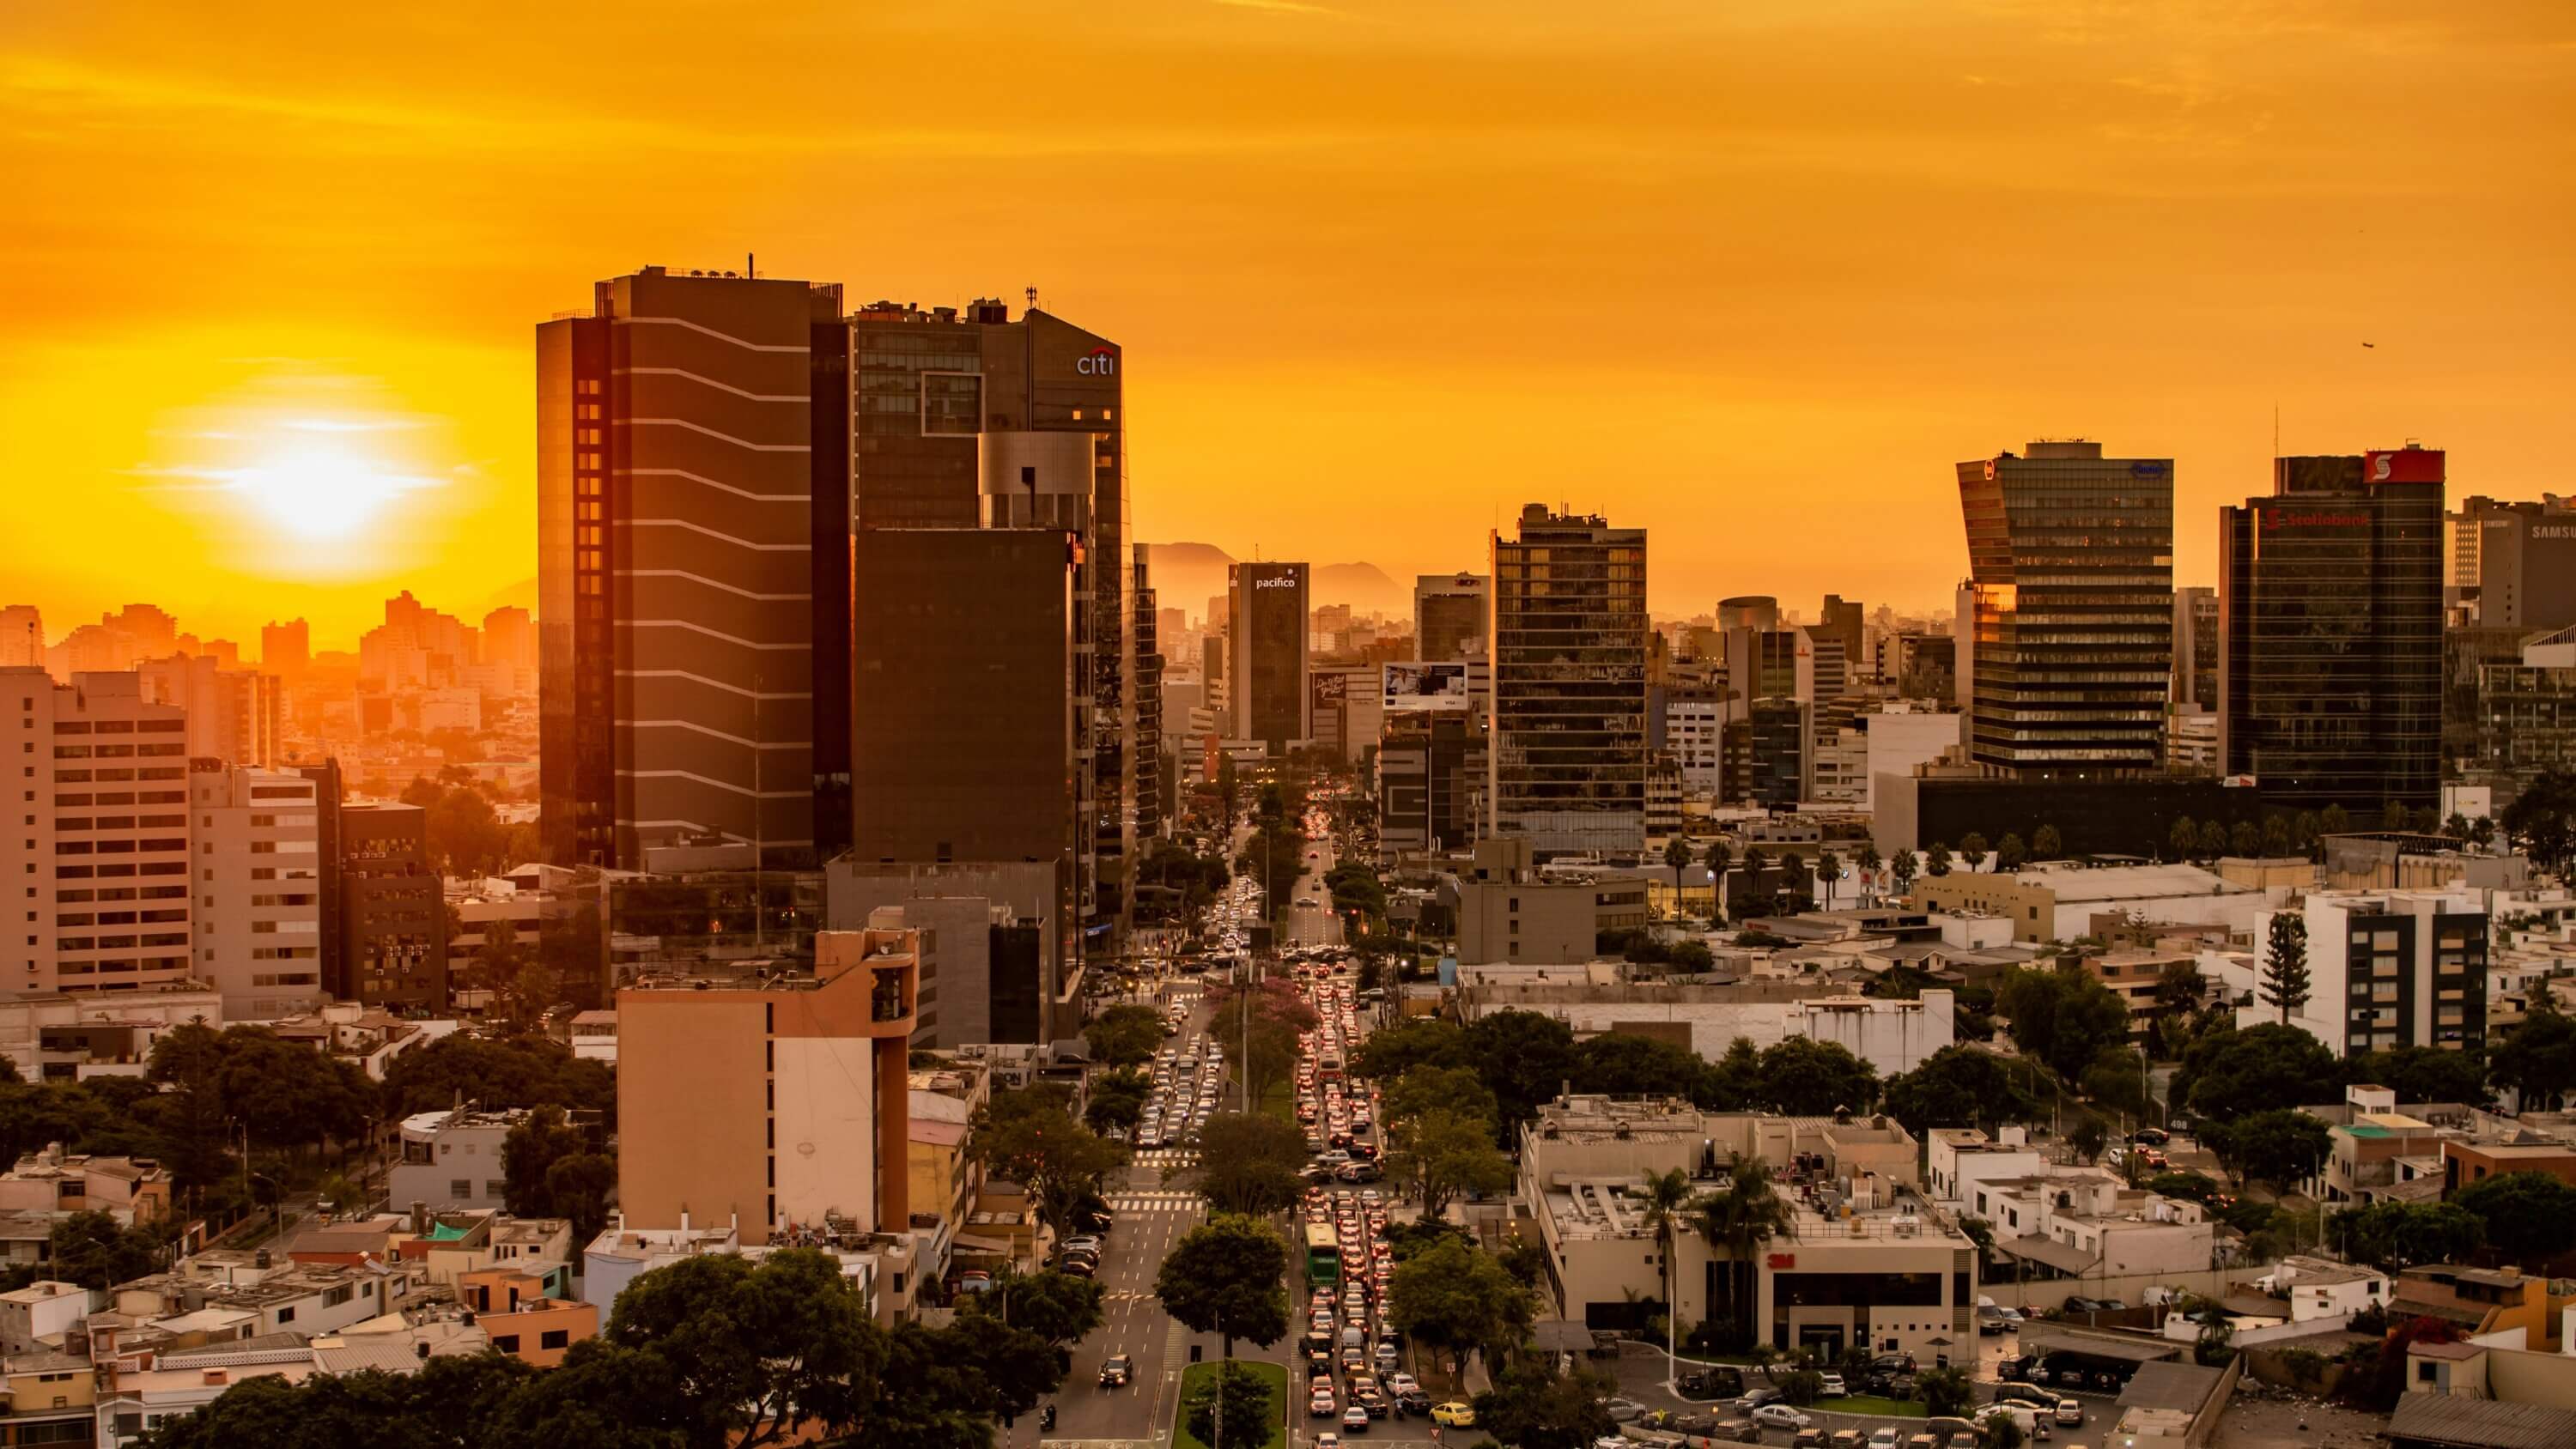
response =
{"points": [[1351, 1352]]}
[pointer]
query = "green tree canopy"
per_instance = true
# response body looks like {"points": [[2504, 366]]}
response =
{"points": [[2530, 1217], [1228, 1277], [2285, 981], [2537, 1058], [1247, 1164], [1534, 1409], [1960, 1086], [2280, 1145], [1239, 1413], [496, 1072], [1026, 1135], [1804, 1077], [1441, 1153], [1124, 1036], [2421, 1074], [2064, 1016], [2226, 1072], [2394, 1235], [1456, 1296]]}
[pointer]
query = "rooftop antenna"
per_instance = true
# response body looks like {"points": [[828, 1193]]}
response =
{"points": [[747, 259], [1033, 298], [2276, 429]]}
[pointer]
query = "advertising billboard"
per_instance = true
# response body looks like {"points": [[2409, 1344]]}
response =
{"points": [[2403, 465], [1426, 686]]}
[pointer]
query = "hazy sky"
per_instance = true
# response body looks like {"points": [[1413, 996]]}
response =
{"points": [[1753, 275]]}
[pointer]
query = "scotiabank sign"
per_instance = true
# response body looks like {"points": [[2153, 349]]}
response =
{"points": [[1098, 362], [2285, 518], [2403, 465]]}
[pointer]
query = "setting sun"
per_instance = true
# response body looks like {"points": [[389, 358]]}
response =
{"points": [[319, 490]]}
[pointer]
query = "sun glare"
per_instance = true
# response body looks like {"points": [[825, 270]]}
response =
{"points": [[318, 488]]}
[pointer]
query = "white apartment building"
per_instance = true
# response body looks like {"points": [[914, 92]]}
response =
{"points": [[1694, 731], [94, 858], [1900, 739], [234, 715], [2391, 969], [259, 890]]}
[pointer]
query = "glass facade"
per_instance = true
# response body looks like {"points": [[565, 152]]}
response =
{"points": [[2071, 565], [1268, 639], [2332, 618], [1567, 764]]}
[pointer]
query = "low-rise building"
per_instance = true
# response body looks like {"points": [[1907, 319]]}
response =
{"points": [[524, 1316], [594, 1036], [2057, 900], [130, 1189], [1507, 910], [452, 1159], [52, 1398], [1869, 1262], [40, 1314], [945, 1178], [1892, 1034]]}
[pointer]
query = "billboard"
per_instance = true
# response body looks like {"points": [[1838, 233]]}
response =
{"points": [[1440, 685], [2403, 465]]}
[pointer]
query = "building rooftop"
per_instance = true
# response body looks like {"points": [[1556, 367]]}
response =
{"points": [[2450, 1420]]}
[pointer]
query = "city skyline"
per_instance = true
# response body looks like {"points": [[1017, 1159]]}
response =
{"points": [[1899, 233]]}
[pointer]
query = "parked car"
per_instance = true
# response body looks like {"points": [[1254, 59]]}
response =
{"points": [[2021, 1369], [2070, 1411], [1622, 1411], [1755, 1398], [1738, 1431], [1780, 1416], [1833, 1386], [1883, 1438], [2029, 1395]]}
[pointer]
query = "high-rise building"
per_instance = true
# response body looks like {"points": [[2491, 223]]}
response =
{"points": [[2071, 609], [259, 925], [2330, 614], [2395, 969], [676, 484], [2514, 564], [509, 637], [393, 911], [1266, 667], [1449, 616], [286, 650], [235, 716], [100, 867], [708, 446], [1748, 611], [1845, 622], [774, 1104], [1566, 763], [1430, 771], [2194, 681], [22, 637], [1147, 757]]}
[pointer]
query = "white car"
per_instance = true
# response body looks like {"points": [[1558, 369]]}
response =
{"points": [[1781, 1416], [1883, 1439]]}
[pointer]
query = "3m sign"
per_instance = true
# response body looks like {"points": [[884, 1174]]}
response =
{"points": [[1782, 1262]]}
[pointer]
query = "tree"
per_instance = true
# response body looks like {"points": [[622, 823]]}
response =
{"points": [[1972, 850], [2530, 1217], [549, 1171], [1442, 1153], [1534, 1409], [1456, 1296], [1226, 1277], [1623, 1064], [2046, 843], [2276, 836], [1717, 859], [1248, 1163], [2116, 1078], [1738, 1219], [1390, 1055], [2394, 1236], [2180, 987], [2304, 827], [1027, 1136], [748, 1354], [520, 1071], [90, 1248], [1936, 861], [2011, 853], [2184, 839], [2281, 1145], [1525, 1057], [1427, 1088], [1829, 869], [2422, 1074], [1804, 1077], [1903, 871], [2064, 1016], [1959, 1086], [2285, 964], [1117, 1099], [1870, 863], [1945, 1391], [1677, 854], [2244, 838], [1124, 1036], [1668, 1198], [2215, 1346], [2226, 1072], [1231, 1409], [2088, 1136], [2536, 1060]]}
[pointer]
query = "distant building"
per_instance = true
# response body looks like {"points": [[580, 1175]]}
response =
{"points": [[1449, 614], [1508, 911], [1266, 665], [2330, 600], [259, 931], [2070, 559], [393, 910], [452, 1158], [2059, 902], [2392, 969], [1566, 763], [2514, 564]]}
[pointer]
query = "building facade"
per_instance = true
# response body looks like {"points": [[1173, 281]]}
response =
{"points": [[1566, 763], [1267, 664], [1449, 616], [100, 868], [393, 911], [259, 928], [2330, 605], [2391, 969], [2070, 608]]}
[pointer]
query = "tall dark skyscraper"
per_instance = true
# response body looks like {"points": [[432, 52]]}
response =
{"points": [[1566, 765], [708, 447], [2070, 643], [676, 493], [1266, 675], [2330, 618]]}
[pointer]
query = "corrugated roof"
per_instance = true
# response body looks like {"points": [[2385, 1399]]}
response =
{"points": [[2447, 1419], [2049, 1252], [2170, 1385], [2047, 1338]]}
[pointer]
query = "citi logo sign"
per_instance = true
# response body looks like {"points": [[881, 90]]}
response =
{"points": [[1098, 362]]}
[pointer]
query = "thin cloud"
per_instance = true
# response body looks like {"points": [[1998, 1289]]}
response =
{"points": [[1280, 7]]}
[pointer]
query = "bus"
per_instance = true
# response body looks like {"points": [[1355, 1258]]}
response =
{"points": [[1323, 1257]]}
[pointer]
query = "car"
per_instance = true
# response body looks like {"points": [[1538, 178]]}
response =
{"points": [[1781, 1416], [1622, 1411], [1738, 1431], [2151, 1137], [2070, 1411], [1882, 1438], [1402, 1383], [1756, 1397], [2028, 1395], [1085, 1243], [2021, 1368], [1118, 1372], [1413, 1401], [1319, 1404], [1328, 1440], [1833, 1386], [1079, 1267], [1454, 1414], [1355, 1419]]}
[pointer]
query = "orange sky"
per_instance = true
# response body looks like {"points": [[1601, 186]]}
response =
{"points": [[1753, 275]]}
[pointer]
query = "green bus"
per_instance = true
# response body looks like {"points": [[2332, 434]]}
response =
{"points": [[1323, 1257]]}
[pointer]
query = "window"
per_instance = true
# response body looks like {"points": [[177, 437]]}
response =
{"points": [[460, 1188], [285, 1316], [495, 1187], [506, 1342], [555, 1338]]}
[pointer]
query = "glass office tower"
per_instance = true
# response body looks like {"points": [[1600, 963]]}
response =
{"points": [[1567, 762]]}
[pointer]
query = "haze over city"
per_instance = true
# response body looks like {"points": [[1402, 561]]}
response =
{"points": [[1742, 274]]}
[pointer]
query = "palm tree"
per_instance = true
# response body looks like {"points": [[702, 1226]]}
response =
{"points": [[1669, 1197], [1738, 1220], [1870, 861], [1717, 860], [1677, 854], [1829, 868]]}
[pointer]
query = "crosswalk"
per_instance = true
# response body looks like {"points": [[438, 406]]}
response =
{"points": [[1167, 1157], [1147, 1202]]}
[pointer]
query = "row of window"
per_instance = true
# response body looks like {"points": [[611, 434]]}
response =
{"points": [[120, 822], [122, 893], [120, 775], [122, 797], [118, 752]]}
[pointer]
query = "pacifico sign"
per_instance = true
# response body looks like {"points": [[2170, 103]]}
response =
{"points": [[1098, 362]]}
